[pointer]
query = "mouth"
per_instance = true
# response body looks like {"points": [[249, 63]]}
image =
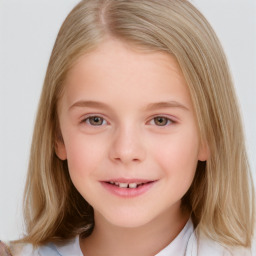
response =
{"points": [[128, 188], [131, 185]]}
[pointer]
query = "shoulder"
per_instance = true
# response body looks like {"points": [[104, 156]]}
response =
{"points": [[15, 249], [64, 248], [206, 246], [44, 250]]}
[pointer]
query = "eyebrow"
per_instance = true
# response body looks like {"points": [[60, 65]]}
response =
{"points": [[89, 103], [150, 107], [166, 104]]}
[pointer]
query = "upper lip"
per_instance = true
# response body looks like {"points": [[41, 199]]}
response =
{"points": [[124, 180]]}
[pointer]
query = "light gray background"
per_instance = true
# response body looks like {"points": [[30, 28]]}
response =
{"points": [[28, 29]]}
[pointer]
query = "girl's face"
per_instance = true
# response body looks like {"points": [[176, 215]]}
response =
{"points": [[129, 134]]}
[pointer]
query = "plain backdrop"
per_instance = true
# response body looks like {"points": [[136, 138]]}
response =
{"points": [[28, 29]]}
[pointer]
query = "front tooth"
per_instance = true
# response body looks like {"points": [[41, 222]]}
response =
{"points": [[132, 185], [116, 183], [123, 185]]}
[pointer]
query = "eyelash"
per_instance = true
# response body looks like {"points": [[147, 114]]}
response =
{"points": [[87, 120], [167, 121]]}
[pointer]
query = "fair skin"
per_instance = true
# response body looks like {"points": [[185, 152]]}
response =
{"points": [[127, 117]]}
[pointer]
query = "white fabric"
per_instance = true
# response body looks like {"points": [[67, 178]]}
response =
{"points": [[179, 245], [185, 244]]}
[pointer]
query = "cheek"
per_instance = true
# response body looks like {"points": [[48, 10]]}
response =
{"points": [[177, 157], [84, 159], [83, 155]]}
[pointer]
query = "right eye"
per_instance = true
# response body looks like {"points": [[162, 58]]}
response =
{"points": [[95, 121]]}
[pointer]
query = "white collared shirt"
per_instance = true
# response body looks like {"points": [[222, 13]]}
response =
{"points": [[185, 244]]}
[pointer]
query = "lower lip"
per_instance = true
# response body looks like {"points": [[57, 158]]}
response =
{"points": [[128, 192]]}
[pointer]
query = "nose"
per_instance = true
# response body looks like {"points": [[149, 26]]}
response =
{"points": [[127, 146]]}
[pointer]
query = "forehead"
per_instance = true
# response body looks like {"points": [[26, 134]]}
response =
{"points": [[118, 68], [126, 54]]}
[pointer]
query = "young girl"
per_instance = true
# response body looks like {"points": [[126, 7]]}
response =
{"points": [[138, 147]]}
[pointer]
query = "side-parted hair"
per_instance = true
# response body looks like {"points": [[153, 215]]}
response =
{"points": [[221, 197]]}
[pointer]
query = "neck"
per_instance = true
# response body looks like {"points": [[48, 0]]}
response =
{"points": [[107, 239]]}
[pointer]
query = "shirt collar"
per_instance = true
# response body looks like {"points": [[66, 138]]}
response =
{"points": [[70, 248], [176, 247], [179, 245]]}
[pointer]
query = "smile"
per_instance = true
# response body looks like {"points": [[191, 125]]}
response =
{"points": [[128, 188], [127, 185]]}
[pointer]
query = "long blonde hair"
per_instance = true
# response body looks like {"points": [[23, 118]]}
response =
{"points": [[221, 198]]}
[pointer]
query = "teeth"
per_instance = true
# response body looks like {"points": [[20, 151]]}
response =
{"points": [[123, 185], [132, 185]]}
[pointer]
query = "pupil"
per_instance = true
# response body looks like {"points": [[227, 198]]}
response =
{"points": [[161, 121], [96, 120]]}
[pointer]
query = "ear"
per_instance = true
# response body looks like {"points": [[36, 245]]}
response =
{"points": [[204, 152], [60, 148]]}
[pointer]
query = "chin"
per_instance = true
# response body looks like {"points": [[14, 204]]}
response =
{"points": [[128, 222], [128, 218]]}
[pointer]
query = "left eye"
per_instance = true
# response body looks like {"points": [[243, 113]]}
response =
{"points": [[95, 120], [161, 121]]}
